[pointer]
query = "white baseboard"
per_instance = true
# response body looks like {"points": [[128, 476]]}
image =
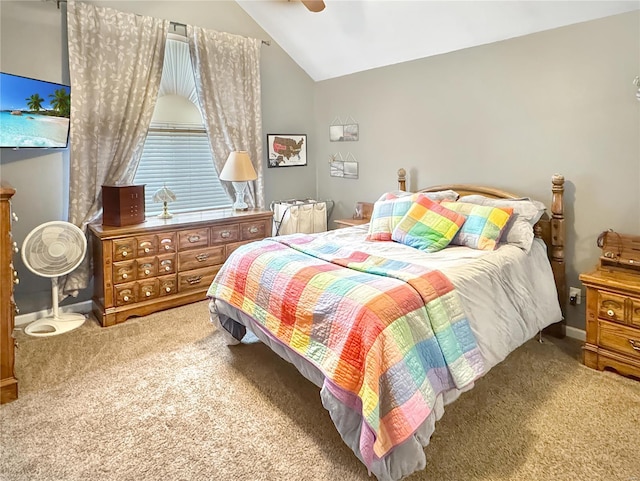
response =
{"points": [[576, 333], [81, 307]]}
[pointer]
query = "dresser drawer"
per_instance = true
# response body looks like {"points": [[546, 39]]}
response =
{"points": [[148, 289], [124, 249], [147, 245], [166, 242], [634, 314], [200, 258], [126, 294], [253, 230], [611, 306], [192, 239], [225, 233], [232, 247], [124, 271], [619, 338], [166, 264], [168, 285], [146, 267], [197, 278]]}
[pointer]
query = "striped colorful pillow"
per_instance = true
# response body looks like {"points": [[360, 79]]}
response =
{"points": [[386, 215], [427, 225], [483, 225]]}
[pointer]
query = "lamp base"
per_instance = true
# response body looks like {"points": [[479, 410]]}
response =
{"points": [[240, 204], [165, 212]]}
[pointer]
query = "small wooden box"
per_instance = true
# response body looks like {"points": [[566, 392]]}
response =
{"points": [[122, 205]]}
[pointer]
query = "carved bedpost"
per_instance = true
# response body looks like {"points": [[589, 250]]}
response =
{"points": [[402, 176], [557, 249]]}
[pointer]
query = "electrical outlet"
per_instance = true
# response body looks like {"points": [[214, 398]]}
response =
{"points": [[575, 296]]}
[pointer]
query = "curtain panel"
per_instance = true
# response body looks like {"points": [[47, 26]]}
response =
{"points": [[115, 64], [227, 76]]}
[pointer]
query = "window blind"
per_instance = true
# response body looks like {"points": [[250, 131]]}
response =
{"points": [[180, 158]]}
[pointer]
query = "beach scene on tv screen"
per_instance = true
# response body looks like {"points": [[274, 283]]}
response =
{"points": [[33, 113]]}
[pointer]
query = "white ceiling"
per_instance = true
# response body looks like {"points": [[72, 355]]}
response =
{"points": [[351, 36]]}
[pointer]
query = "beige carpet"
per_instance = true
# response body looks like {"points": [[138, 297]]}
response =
{"points": [[163, 398]]}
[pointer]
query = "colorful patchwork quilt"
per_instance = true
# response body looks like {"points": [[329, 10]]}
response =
{"points": [[389, 336]]}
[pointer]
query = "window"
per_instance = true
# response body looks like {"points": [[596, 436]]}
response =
{"points": [[176, 152]]}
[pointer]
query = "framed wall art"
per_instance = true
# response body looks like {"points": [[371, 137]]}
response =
{"points": [[286, 150], [344, 132]]}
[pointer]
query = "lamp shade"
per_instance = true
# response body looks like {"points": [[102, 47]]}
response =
{"points": [[238, 168], [164, 195]]}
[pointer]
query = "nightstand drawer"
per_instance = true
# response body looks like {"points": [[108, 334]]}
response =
{"points": [[611, 306], [619, 338]]}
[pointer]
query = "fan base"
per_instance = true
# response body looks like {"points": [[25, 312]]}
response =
{"points": [[52, 326]]}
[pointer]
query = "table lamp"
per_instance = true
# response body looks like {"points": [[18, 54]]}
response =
{"points": [[164, 195], [239, 170]]}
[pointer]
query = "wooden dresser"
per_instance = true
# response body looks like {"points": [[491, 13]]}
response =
{"points": [[8, 276], [164, 263], [613, 321]]}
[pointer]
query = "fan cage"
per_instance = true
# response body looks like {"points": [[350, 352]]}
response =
{"points": [[54, 248]]}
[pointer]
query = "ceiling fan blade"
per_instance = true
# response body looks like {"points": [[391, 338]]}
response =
{"points": [[313, 5]]}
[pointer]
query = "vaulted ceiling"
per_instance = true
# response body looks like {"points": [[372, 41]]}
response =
{"points": [[352, 36]]}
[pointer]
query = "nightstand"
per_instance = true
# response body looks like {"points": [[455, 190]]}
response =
{"points": [[340, 223], [364, 208], [613, 321]]}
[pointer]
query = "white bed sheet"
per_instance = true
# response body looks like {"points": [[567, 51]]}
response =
{"points": [[508, 296]]}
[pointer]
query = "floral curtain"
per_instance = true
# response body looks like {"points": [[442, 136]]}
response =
{"points": [[227, 74], [115, 64]]}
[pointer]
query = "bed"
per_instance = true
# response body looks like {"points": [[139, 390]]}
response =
{"points": [[392, 328]]}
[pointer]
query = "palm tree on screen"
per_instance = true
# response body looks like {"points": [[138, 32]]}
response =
{"points": [[61, 102], [35, 102]]}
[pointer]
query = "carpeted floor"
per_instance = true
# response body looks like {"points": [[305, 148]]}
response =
{"points": [[163, 398]]}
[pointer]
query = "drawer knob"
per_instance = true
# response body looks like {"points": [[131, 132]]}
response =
{"points": [[610, 313], [14, 216], [202, 257], [146, 249], [146, 272], [125, 298], [148, 293], [193, 238], [225, 234], [253, 229], [167, 247], [168, 289], [125, 253], [16, 281], [167, 268], [125, 275], [16, 309], [635, 344]]}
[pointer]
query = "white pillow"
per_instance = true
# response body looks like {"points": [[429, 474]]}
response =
{"points": [[437, 196], [526, 212]]}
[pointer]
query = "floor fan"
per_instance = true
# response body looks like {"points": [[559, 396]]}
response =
{"points": [[54, 249]]}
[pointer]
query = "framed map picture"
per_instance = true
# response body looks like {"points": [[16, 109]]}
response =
{"points": [[286, 150]]}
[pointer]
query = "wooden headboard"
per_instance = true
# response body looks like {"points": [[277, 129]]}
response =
{"points": [[550, 228]]}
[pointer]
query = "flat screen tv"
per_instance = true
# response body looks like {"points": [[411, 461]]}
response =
{"points": [[33, 113]]}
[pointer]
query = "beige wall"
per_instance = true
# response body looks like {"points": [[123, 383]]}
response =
{"points": [[33, 44], [508, 114]]}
